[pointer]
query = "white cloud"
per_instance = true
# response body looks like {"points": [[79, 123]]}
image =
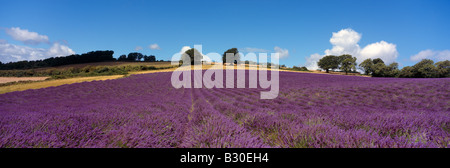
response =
{"points": [[346, 41], [311, 61], [59, 50], [13, 53], [433, 55], [386, 51], [345, 37], [26, 36], [282, 53], [138, 48], [154, 46]]}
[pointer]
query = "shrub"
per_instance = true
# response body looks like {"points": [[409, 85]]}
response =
{"points": [[299, 68]]}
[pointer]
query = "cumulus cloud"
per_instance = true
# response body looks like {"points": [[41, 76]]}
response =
{"points": [[138, 48], [433, 55], [282, 53], [384, 50], [13, 53], [26, 36], [154, 46], [57, 50], [311, 61], [346, 41]]}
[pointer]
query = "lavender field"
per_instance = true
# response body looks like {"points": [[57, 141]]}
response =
{"points": [[311, 111]]}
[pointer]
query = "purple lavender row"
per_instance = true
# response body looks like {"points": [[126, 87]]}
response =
{"points": [[312, 110], [209, 129], [127, 112], [414, 127]]}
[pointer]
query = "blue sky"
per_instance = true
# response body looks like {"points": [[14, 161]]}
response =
{"points": [[410, 29]]}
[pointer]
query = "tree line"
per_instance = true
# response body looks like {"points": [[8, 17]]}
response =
{"points": [[423, 69], [60, 73], [377, 68], [195, 57], [90, 57], [345, 62], [135, 56], [93, 56]]}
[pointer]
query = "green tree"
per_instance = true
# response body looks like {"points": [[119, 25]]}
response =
{"points": [[377, 60], [296, 68], [150, 58], [134, 56], [425, 69], [328, 62], [366, 66], [192, 55], [233, 51], [347, 63], [407, 72], [443, 68], [379, 69], [392, 70], [139, 57], [122, 58], [93, 56]]}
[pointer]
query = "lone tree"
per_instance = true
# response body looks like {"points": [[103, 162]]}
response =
{"points": [[134, 56], [122, 58], [366, 66], [192, 55], [233, 51], [150, 58], [139, 57], [347, 63], [328, 62]]}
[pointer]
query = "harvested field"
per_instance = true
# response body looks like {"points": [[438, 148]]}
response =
{"points": [[17, 79]]}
